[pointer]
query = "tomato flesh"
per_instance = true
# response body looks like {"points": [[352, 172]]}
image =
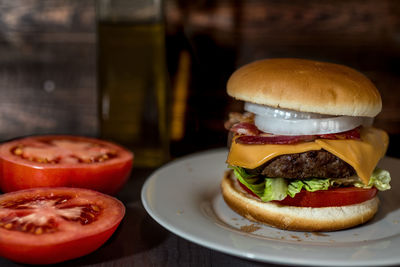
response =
{"points": [[333, 197], [54, 161], [50, 225]]}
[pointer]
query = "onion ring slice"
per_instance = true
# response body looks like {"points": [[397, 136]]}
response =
{"points": [[307, 127], [281, 113], [290, 122]]}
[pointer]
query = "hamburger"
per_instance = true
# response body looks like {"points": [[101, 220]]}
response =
{"points": [[303, 154]]}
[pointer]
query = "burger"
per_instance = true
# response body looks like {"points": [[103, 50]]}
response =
{"points": [[303, 154]]}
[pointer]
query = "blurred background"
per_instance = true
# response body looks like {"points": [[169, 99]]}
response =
{"points": [[55, 54]]}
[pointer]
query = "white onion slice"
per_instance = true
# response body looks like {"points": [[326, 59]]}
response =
{"points": [[291, 122], [307, 126], [281, 113]]}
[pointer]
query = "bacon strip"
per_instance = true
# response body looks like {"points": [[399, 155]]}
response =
{"points": [[275, 139], [288, 139], [351, 134]]}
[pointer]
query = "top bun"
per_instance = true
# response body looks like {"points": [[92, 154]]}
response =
{"points": [[307, 86]]}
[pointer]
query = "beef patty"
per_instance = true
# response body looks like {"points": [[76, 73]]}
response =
{"points": [[315, 163]]}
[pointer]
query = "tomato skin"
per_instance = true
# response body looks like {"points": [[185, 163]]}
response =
{"points": [[54, 253], [330, 198], [108, 177], [67, 243]]}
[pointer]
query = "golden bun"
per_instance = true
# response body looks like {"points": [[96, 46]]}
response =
{"points": [[295, 218], [307, 86]]}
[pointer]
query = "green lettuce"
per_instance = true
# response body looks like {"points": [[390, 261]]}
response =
{"points": [[275, 189], [380, 179], [251, 181], [311, 185], [265, 188], [268, 189]]}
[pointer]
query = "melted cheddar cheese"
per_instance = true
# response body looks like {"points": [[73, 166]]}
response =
{"points": [[363, 155]]}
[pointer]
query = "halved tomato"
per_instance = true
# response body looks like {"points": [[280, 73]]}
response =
{"points": [[61, 160], [333, 197], [49, 225]]}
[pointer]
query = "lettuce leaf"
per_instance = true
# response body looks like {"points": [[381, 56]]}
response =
{"points": [[311, 185], [268, 189], [380, 179], [252, 182], [265, 188], [275, 189]]}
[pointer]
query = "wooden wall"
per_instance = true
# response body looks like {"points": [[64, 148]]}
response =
{"points": [[48, 58], [47, 67]]}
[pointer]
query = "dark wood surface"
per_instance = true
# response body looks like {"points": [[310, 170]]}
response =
{"points": [[47, 68]]}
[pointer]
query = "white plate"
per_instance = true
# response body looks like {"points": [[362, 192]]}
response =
{"points": [[183, 196]]}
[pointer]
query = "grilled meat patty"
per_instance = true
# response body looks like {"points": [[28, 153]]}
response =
{"points": [[315, 163]]}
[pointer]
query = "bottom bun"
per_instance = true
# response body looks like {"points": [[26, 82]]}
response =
{"points": [[295, 218]]}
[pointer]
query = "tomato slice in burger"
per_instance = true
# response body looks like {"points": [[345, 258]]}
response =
{"points": [[330, 198], [59, 160], [333, 197], [49, 225]]}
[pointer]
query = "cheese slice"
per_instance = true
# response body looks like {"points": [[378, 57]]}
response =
{"points": [[363, 155]]}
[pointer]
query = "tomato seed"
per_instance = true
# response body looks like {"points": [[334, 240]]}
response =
{"points": [[18, 151], [8, 226], [95, 208], [44, 160], [39, 231]]}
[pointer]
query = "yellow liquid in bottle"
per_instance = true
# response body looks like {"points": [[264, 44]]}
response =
{"points": [[133, 87]]}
